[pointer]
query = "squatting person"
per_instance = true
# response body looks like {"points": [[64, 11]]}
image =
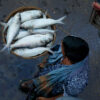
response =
{"points": [[64, 73]]}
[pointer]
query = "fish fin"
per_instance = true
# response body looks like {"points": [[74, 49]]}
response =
{"points": [[4, 25], [45, 14], [30, 31], [4, 28], [61, 19], [5, 47]]}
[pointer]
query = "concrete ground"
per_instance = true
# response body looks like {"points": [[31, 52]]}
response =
{"points": [[13, 69]]}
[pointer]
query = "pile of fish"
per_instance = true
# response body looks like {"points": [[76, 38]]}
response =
{"points": [[29, 33]]}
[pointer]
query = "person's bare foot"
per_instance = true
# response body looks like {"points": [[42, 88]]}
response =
{"points": [[27, 83], [96, 6], [25, 86]]}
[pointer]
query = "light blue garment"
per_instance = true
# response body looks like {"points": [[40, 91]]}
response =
{"points": [[61, 74], [57, 55]]}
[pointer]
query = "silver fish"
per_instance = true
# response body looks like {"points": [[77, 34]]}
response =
{"points": [[33, 41], [25, 16], [22, 33], [42, 22], [28, 15], [12, 30], [31, 52]]}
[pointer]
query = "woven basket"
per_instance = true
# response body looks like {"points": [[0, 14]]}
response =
{"points": [[21, 9]]}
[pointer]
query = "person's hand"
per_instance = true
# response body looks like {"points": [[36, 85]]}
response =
{"points": [[96, 6]]}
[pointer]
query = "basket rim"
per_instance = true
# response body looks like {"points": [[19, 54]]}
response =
{"points": [[21, 9]]}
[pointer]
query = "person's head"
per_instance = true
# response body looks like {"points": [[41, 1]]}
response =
{"points": [[74, 48]]}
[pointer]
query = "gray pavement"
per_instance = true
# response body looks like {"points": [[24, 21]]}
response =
{"points": [[13, 69]]}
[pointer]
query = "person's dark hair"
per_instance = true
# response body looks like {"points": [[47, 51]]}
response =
{"points": [[75, 48]]}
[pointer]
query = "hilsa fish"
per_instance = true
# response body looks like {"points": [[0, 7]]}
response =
{"points": [[25, 16], [31, 14], [12, 30], [33, 41], [42, 22], [26, 53], [24, 33]]}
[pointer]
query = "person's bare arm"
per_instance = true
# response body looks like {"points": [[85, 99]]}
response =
{"points": [[52, 98]]}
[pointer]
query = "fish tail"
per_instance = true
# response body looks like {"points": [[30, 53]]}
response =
{"points": [[49, 50], [4, 25], [46, 12], [5, 47], [61, 19]]}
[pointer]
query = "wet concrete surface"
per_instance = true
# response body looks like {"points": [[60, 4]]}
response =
{"points": [[13, 69]]}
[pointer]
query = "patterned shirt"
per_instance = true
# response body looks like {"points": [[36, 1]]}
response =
{"points": [[74, 84]]}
